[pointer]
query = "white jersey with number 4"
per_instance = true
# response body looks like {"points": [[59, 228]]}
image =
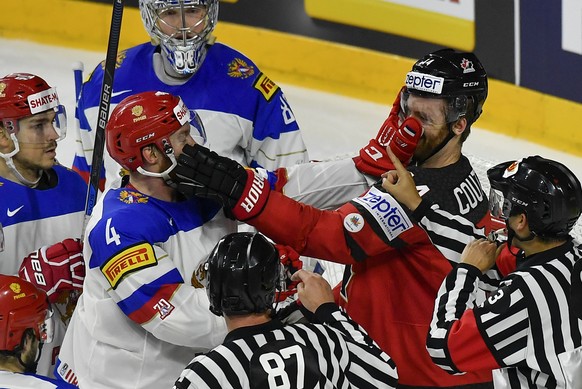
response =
{"points": [[142, 317]]}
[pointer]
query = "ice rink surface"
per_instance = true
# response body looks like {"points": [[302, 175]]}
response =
{"points": [[332, 125]]}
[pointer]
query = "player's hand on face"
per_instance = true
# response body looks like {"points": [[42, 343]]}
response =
{"points": [[400, 184], [201, 172], [480, 253], [313, 290]]}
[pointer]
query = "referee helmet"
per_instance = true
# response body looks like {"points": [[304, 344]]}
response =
{"points": [[547, 191], [243, 273]]}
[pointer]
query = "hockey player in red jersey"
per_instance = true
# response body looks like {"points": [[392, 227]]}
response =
{"points": [[394, 269], [527, 330]]}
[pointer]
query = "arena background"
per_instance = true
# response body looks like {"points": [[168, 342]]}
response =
{"points": [[362, 48]]}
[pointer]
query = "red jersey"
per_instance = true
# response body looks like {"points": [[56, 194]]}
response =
{"points": [[394, 271]]}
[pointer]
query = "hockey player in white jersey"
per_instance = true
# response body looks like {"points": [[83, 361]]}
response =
{"points": [[42, 202], [26, 324], [246, 114], [141, 317], [243, 276]]}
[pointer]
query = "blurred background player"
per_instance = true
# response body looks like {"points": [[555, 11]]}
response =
{"points": [[243, 274], [142, 315], [25, 326], [394, 269], [245, 113], [42, 202], [526, 331]]}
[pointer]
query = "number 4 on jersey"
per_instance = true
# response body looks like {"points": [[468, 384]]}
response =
{"points": [[111, 236]]}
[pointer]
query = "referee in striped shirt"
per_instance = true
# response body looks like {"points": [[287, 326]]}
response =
{"points": [[526, 330], [529, 330], [243, 273]]}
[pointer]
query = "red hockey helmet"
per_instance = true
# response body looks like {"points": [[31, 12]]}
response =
{"points": [[23, 95], [22, 307], [142, 119]]}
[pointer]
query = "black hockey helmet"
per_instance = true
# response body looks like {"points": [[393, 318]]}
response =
{"points": [[547, 191], [243, 273], [456, 76]]}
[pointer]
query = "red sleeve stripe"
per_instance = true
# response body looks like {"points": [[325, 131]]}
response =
{"points": [[466, 346], [154, 305]]}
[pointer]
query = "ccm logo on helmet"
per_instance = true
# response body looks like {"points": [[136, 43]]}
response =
{"points": [[145, 137], [470, 84], [424, 82]]}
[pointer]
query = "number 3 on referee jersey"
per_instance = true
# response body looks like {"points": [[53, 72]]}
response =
{"points": [[274, 366], [493, 299]]}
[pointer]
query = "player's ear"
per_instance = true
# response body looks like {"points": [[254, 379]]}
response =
{"points": [[459, 126], [150, 154], [5, 139], [522, 221]]}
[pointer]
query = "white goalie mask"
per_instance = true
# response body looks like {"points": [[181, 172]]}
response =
{"points": [[182, 28]]}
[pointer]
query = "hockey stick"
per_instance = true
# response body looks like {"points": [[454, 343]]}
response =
{"points": [[103, 115]]}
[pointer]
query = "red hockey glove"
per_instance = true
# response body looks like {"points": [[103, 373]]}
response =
{"points": [[402, 140], [242, 192], [55, 268], [291, 263]]}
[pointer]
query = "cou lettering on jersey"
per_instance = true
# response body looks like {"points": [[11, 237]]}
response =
{"points": [[469, 193]]}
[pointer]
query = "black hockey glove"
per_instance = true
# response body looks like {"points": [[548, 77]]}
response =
{"points": [[242, 192]]}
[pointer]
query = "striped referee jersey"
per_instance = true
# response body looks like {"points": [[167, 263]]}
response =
{"points": [[525, 330], [336, 354], [450, 234]]}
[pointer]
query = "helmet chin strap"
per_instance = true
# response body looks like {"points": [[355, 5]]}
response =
{"points": [[31, 367], [12, 167], [165, 174], [450, 135]]}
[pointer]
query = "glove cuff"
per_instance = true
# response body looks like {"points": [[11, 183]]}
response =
{"points": [[373, 159], [253, 198]]}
